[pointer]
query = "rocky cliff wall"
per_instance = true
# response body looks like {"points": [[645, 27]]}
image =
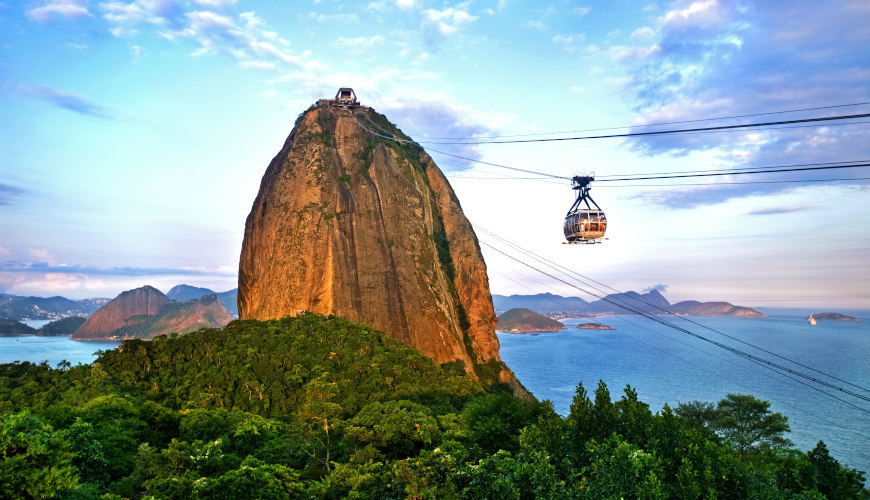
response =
{"points": [[368, 229]]}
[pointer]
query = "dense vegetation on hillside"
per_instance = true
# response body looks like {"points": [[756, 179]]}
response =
{"points": [[317, 407], [61, 327]]}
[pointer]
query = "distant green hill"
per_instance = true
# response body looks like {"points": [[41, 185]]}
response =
{"points": [[521, 320], [12, 328], [832, 316], [61, 327]]}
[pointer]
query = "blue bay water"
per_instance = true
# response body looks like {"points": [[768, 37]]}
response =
{"points": [[669, 367], [52, 349]]}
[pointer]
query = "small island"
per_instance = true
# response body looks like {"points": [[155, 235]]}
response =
{"points": [[523, 320], [595, 326], [832, 316]]}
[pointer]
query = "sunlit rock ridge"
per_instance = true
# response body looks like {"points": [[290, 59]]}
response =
{"points": [[368, 229]]}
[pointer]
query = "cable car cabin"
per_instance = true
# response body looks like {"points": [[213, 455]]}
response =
{"points": [[584, 225]]}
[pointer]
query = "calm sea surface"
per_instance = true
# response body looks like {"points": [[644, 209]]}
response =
{"points": [[51, 349], [669, 367]]}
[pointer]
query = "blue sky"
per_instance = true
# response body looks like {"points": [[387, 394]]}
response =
{"points": [[135, 133]]}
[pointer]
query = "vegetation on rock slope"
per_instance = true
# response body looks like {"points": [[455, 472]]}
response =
{"points": [[318, 407]]}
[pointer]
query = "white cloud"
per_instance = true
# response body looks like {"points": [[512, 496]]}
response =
{"points": [[704, 13], [334, 18], [621, 53], [71, 9], [245, 40], [582, 11], [126, 18], [642, 34], [137, 51], [42, 255], [568, 41], [358, 41], [5, 250], [216, 4], [408, 4], [536, 24], [438, 24]]}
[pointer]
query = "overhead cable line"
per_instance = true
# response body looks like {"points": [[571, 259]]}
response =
{"points": [[709, 353], [738, 169], [658, 124], [764, 362], [760, 170], [659, 132], [768, 364], [735, 183], [714, 174], [398, 139], [564, 270]]}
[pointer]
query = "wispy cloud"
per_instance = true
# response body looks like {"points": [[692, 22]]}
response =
{"points": [[216, 4], [439, 24], [535, 24], [51, 9], [360, 41], [569, 42], [244, 38], [780, 210], [659, 288], [8, 193], [39, 266], [67, 100], [715, 58]]}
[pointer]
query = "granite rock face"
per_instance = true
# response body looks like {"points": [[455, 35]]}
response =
{"points": [[146, 300], [368, 229]]}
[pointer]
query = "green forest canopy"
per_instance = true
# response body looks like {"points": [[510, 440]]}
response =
{"points": [[319, 407]]}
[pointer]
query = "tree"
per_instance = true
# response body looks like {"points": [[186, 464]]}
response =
{"points": [[494, 421], [747, 424], [397, 428], [34, 459], [830, 478]]}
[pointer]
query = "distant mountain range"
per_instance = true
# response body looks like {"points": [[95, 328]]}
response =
{"points": [[53, 308], [188, 292], [652, 302]]}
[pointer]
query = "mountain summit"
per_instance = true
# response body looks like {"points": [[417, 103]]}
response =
{"points": [[368, 229]]}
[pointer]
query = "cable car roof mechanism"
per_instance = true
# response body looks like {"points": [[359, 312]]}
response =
{"points": [[583, 223]]}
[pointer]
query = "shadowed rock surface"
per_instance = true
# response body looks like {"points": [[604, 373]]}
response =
{"points": [[368, 229]]}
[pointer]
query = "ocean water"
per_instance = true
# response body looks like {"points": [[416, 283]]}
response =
{"points": [[52, 349], [668, 367]]}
